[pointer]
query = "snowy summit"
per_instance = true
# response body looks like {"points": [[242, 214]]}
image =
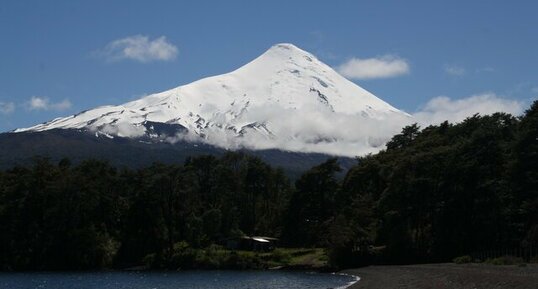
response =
{"points": [[285, 99]]}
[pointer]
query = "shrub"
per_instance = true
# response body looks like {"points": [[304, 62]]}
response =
{"points": [[505, 260], [281, 256], [463, 259]]}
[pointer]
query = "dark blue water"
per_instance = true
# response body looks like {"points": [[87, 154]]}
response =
{"points": [[175, 280]]}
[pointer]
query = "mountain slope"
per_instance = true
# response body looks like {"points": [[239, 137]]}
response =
{"points": [[21, 149], [285, 99]]}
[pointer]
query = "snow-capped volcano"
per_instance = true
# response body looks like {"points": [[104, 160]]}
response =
{"points": [[285, 99]]}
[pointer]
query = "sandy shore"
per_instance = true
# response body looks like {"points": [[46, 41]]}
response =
{"points": [[467, 276]]}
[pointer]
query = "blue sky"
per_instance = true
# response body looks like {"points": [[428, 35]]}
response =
{"points": [[61, 57]]}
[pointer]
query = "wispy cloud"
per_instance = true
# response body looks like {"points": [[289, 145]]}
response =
{"points": [[44, 103], [7, 107], [140, 48], [370, 68], [442, 108], [455, 70]]}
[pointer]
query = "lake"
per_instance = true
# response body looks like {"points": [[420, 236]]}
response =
{"points": [[176, 280]]}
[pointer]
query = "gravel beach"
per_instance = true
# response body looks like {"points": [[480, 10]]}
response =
{"points": [[471, 276]]}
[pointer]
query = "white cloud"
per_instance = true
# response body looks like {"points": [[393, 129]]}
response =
{"points": [[124, 129], [38, 103], [7, 107], [63, 105], [323, 131], [44, 103], [140, 48], [455, 70], [313, 130], [370, 68], [443, 108]]}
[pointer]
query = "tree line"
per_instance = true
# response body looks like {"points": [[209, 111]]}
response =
{"points": [[433, 194]]}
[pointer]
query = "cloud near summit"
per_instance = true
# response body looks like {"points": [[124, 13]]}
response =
{"points": [[140, 48], [370, 68]]}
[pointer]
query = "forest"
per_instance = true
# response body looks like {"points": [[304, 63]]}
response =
{"points": [[433, 194]]}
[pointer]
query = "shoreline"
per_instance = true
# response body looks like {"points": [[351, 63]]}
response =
{"points": [[351, 283], [447, 275]]}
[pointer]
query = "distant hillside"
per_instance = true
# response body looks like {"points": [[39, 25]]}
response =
{"points": [[21, 148]]}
